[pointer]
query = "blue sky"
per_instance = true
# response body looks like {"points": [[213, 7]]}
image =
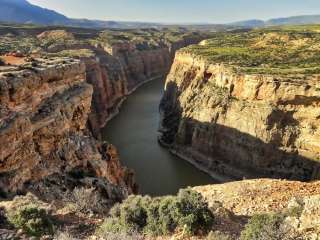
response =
{"points": [[181, 11]]}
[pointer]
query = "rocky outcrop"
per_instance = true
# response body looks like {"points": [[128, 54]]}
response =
{"points": [[44, 112], [239, 125]]}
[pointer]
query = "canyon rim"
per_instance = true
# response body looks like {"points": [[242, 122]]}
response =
{"points": [[241, 103]]}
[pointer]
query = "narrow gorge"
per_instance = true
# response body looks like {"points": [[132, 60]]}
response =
{"points": [[90, 117], [55, 103], [228, 120]]}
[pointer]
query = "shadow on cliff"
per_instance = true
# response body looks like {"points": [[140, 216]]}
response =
{"points": [[225, 151]]}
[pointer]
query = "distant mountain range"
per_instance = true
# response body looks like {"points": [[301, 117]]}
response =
{"points": [[295, 20], [21, 11]]}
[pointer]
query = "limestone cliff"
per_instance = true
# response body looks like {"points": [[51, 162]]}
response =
{"points": [[44, 111], [236, 123]]}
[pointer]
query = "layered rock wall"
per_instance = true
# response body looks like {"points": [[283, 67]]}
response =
{"points": [[116, 71], [44, 112], [52, 108], [242, 125]]}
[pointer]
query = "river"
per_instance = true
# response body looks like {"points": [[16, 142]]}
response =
{"points": [[134, 132]]}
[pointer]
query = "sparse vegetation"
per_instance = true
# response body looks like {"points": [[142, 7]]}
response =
{"points": [[86, 201], [160, 216], [79, 53], [33, 220], [63, 40], [268, 227], [265, 51], [146, 38]]}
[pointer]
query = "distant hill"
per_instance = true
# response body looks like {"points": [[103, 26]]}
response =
{"points": [[21, 11], [295, 20], [249, 23]]}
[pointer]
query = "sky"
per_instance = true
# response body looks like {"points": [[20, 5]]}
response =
{"points": [[181, 11]]}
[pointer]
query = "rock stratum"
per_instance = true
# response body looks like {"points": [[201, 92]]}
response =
{"points": [[246, 105], [44, 111], [58, 88]]}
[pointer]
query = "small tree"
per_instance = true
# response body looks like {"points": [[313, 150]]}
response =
{"points": [[193, 212]]}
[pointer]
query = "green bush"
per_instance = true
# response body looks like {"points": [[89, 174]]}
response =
{"points": [[110, 225], [133, 213], [160, 216], [263, 227], [193, 212], [34, 221]]}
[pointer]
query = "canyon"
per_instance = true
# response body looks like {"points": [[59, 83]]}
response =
{"points": [[234, 105], [236, 120], [55, 102], [121, 69]]}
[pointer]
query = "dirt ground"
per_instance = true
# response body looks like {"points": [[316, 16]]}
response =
{"points": [[257, 196], [13, 60]]}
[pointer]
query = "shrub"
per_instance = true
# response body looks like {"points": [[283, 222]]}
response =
{"points": [[34, 221], [268, 227], [193, 212], [133, 213], [110, 225], [295, 211], [86, 200], [160, 216]]}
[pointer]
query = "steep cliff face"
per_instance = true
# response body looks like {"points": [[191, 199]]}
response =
{"points": [[240, 124], [118, 70], [117, 62], [44, 111], [51, 108]]}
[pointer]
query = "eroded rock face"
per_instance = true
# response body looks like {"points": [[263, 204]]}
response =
{"points": [[50, 112], [242, 125], [44, 112], [116, 71]]}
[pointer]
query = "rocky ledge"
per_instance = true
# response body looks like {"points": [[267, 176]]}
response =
{"points": [[45, 106], [236, 202], [236, 113]]}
